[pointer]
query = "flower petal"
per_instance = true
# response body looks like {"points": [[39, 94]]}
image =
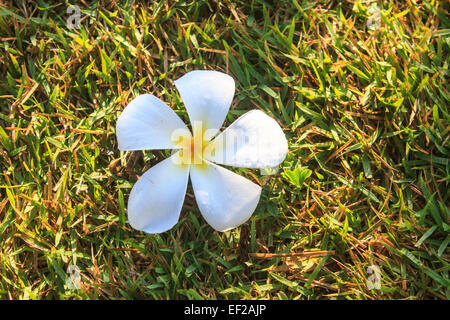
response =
{"points": [[207, 96], [147, 123], [254, 140], [156, 199], [225, 199]]}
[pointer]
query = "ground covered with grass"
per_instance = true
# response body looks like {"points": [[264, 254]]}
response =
{"points": [[363, 104]]}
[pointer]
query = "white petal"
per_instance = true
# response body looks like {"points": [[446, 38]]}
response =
{"points": [[207, 96], [225, 199], [147, 123], [254, 140], [156, 199]]}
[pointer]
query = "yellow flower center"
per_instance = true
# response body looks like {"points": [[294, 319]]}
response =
{"points": [[192, 147]]}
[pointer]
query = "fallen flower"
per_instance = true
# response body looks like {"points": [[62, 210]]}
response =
{"points": [[225, 199]]}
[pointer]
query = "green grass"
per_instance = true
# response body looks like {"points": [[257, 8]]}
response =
{"points": [[365, 181]]}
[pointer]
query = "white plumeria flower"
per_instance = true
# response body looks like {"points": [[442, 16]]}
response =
{"points": [[225, 199]]}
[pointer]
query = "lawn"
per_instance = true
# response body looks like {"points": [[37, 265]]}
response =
{"points": [[362, 99]]}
